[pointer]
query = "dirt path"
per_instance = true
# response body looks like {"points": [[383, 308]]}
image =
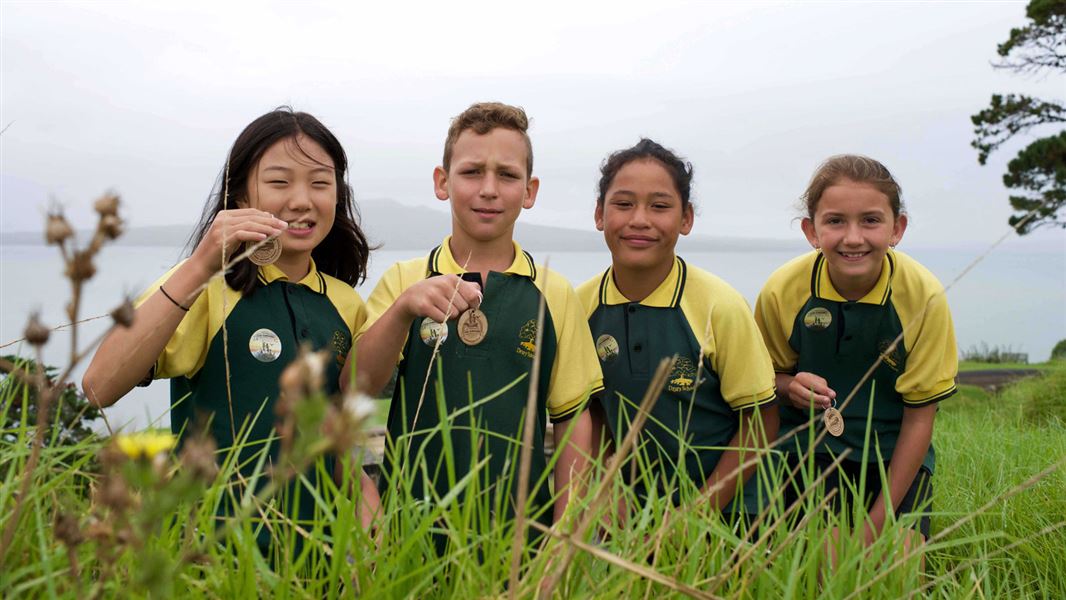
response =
{"points": [[994, 379]]}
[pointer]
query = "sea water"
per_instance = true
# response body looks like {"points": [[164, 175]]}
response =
{"points": [[1014, 298]]}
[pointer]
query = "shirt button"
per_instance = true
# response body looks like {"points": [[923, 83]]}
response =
{"points": [[303, 333], [847, 338], [632, 309], [847, 307], [637, 348]]}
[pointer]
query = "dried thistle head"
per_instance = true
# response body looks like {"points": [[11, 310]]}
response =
{"points": [[80, 266], [36, 333], [57, 230], [344, 426], [198, 457], [111, 226], [99, 531], [123, 313], [68, 530], [304, 376], [107, 205], [114, 493]]}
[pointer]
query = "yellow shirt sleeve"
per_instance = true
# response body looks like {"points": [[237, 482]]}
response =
{"points": [[776, 308], [722, 322], [349, 304], [393, 282], [576, 371], [929, 336], [185, 352]]}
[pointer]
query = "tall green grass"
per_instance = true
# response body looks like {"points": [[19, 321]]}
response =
{"points": [[173, 544]]}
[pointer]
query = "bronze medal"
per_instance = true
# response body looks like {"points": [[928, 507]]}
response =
{"points": [[473, 327], [266, 252], [834, 423]]}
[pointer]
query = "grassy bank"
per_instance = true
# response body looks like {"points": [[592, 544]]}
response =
{"points": [[97, 523], [988, 444]]}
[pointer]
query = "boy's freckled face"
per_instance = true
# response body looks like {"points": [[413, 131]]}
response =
{"points": [[854, 227], [642, 216], [487, 184]]}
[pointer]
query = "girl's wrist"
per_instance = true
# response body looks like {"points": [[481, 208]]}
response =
{"points": [[199, 269]]}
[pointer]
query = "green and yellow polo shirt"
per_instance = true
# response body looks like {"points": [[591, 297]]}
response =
{"points": [[485, 386], [722, 366], [265, 330], [810, 327]]}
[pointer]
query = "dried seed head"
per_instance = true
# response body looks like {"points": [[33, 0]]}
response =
{"points": [[335, 430], [111, 226], [114, 493], [198, 457], [80, 267], [107, 205], [123, 313], [57, 230], [344, 425], [293, 378], [36, 332], [357, 407], [196, 557], [98, 530], [304, 376], [67, 529]]}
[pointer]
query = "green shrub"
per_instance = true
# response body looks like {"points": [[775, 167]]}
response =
{"points": [[1059, 351]]}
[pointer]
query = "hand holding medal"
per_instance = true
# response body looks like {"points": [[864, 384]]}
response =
{"points": [[831, 417]]}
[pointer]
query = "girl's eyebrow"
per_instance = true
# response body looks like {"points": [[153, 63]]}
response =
{"points": [[624, 192], [321, 169]]}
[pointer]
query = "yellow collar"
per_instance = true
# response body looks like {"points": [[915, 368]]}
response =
{"points": [[667, 295], [442, 262], [313, 280], [823, 288]]}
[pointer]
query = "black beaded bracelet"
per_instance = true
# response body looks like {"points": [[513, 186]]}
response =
{"points": [[169, 297]]}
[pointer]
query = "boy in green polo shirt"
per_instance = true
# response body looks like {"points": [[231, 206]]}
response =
{"points": [[473, 303]]}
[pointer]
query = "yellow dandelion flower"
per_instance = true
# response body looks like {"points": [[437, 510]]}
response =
{"points": [[145, 444]]}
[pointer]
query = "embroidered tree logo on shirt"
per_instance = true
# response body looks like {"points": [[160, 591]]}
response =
{"points": [[683, 378], [528, 334]]}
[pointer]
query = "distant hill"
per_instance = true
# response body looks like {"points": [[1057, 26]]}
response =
{"points": [[399, 226]]}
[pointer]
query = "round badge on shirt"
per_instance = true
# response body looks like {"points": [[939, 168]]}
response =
{"points": [[430, 330], [265, 345], [607, 348], [817, 319]]}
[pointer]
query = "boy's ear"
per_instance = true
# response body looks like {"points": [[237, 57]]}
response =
{"points": [[898, 229], [599, 216], [440, 183], [688, 217], [808, 230], [531, 192]]}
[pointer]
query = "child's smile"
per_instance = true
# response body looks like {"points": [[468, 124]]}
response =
{"points": [[854, 227], [295, 181], [642, 216]]}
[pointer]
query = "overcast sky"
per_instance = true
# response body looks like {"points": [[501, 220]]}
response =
{"points": [[146, 98]]}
